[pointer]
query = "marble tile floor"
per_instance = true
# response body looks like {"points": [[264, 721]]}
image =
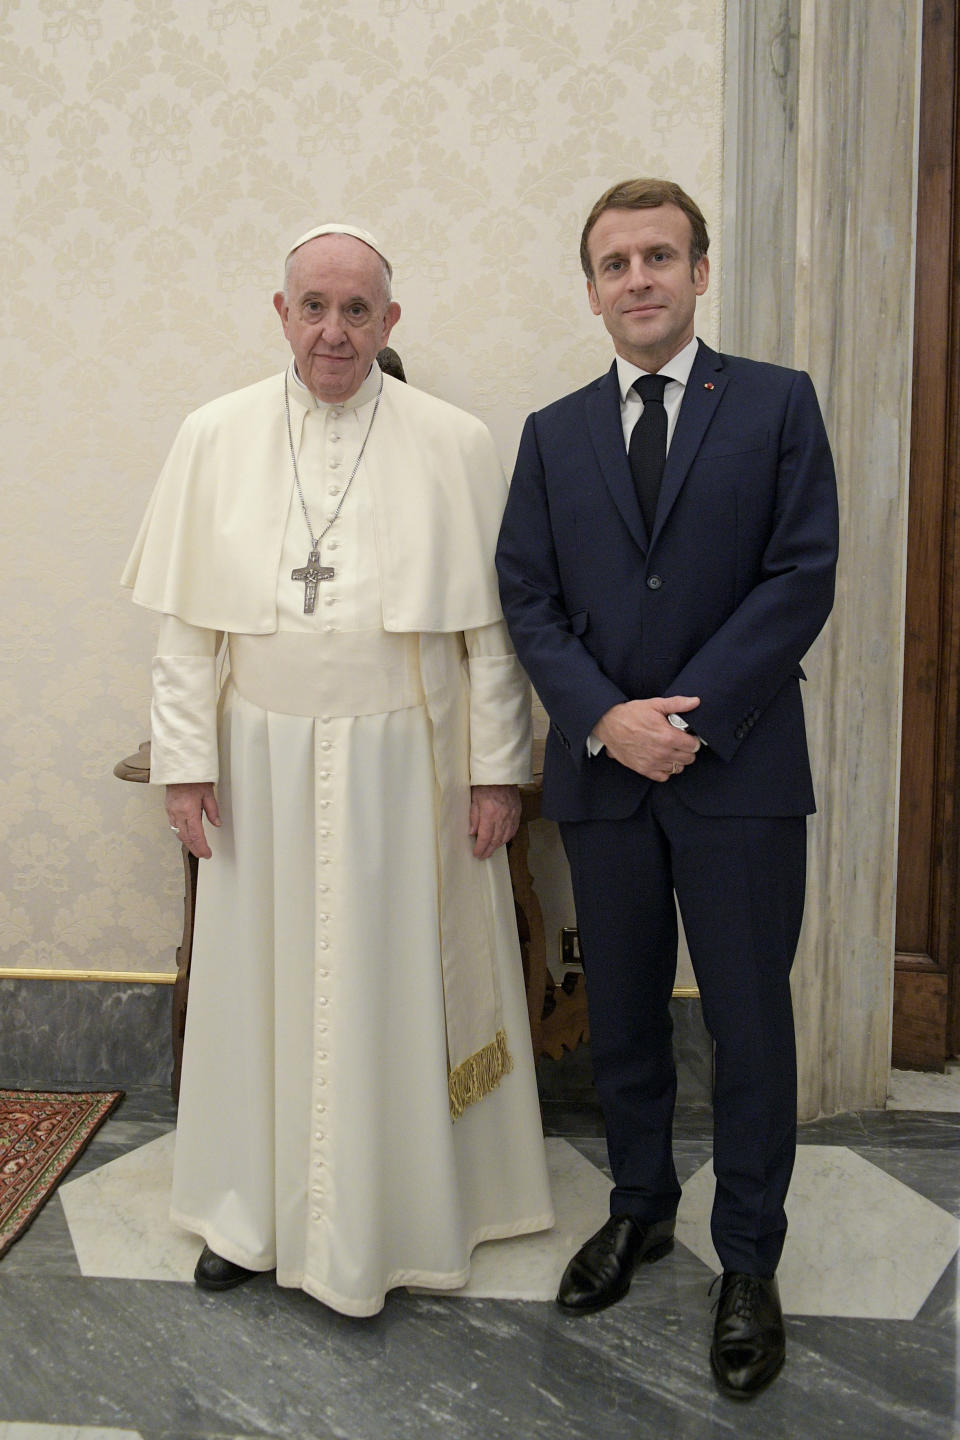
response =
{"points": [[874, 1235], [923, 1090]]}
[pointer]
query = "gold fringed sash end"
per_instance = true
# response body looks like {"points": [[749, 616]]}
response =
{"points": [[480, 1074]]}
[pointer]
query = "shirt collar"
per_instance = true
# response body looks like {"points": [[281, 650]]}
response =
{"points": [[368, 390], [678, 368]]}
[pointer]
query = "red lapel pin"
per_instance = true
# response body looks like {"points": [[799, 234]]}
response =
{"points": [[708, 385]]}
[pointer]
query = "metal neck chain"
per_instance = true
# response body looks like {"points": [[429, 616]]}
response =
{"points": [[315, 539]]}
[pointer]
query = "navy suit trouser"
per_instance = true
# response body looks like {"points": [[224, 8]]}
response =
{"points": [[739, 883]]}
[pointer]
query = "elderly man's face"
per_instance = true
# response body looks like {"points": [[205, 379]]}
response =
{"points": [[336, 315]]}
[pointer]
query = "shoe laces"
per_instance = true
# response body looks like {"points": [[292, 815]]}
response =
{"points": [[747, 1292], [609, 1242]]}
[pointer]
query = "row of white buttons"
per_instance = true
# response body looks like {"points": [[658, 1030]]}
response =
{"points": [[318, 1161]]}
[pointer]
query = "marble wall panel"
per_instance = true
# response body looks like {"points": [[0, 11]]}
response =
{"points": [[570, 1079], [72, 1033], [822, 132], [857, 117], [75, 1033]]}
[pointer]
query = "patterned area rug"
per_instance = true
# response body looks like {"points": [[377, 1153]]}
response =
{"points": [[41, 1135]]}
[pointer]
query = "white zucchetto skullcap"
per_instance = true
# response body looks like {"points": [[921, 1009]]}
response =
{"points": [[353, 230]]}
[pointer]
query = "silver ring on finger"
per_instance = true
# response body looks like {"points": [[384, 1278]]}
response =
{"points": [[677, 767]]}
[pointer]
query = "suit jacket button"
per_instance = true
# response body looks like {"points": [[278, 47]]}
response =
{"points": [[654, 582]]}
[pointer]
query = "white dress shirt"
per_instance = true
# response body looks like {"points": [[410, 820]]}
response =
{"points": [[677, 371]]}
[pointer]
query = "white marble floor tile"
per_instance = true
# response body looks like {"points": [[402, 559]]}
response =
{"points": [[120, 1222], [846, 1251], [120, 1226], [15, 1431], [529, 1267], [921, 1090]]}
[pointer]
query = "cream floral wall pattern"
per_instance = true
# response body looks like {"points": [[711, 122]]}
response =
{"points": [[157, 156]]}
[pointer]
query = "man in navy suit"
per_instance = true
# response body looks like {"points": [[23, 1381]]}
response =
{"points": [[666, 559]]}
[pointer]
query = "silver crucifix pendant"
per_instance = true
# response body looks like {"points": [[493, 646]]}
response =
{"points": [[311, 574]]}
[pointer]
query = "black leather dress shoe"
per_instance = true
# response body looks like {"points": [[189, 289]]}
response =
{"points": [[600, 1272], [748, 1340], [215, 1273]]}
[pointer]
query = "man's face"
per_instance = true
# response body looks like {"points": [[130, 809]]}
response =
{"points": [[642, 284], [335, 314]]}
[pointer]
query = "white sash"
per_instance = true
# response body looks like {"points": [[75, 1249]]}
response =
{"points": [[329, 674]]}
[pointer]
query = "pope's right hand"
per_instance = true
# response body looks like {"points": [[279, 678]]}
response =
{"points": [[186, 806]]}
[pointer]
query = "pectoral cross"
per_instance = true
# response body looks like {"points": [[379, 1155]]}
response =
{"points": [[311, 574]]}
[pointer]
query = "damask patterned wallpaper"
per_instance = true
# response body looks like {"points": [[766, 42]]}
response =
{"points": [[157, 157]]}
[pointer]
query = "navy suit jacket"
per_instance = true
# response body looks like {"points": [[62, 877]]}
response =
{"points": [[721, 601]]}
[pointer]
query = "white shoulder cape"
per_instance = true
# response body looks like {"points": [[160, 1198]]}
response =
{"points": [[209, 547]]}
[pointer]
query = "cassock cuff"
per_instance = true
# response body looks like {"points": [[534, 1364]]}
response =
{"points": [[183, 720], [501, 722]]}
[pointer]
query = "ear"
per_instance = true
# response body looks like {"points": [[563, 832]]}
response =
{"points": [[593, 297], [282, 308], [389, 320], [701, 275]]}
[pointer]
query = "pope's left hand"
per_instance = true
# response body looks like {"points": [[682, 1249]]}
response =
{"points": [[494, 817]]}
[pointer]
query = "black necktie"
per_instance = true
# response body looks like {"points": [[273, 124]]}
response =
{"points": [[648, 444]]}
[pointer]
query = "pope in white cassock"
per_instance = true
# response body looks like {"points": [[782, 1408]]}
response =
{"points": [[358, 1106]]}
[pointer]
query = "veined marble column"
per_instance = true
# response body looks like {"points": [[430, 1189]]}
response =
{"points": [[820, 210]]}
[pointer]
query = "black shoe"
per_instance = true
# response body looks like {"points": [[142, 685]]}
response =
{"points": [[600, 1272], [748, 1340], [215, 1273]]}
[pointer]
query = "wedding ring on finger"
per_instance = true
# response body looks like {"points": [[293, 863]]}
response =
{"points": [[677, 767], [175, 829]]}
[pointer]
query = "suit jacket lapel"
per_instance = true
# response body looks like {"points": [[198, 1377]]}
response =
{"points": [[606, 432], [704, 388]]}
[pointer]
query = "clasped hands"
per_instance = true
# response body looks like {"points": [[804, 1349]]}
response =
{"points": [[639, 735], [494, 816]]}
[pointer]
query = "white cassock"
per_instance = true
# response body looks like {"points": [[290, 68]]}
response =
{"points": [[315, 1132]]}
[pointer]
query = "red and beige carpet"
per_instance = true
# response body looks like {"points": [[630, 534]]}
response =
{"points": [[41, 1135]]}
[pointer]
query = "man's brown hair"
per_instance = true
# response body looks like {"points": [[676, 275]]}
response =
{"points": [[646, 194]]}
